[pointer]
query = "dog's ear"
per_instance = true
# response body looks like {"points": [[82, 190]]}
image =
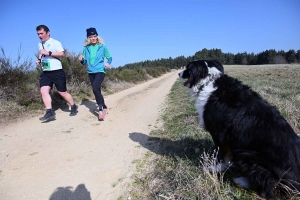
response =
{"points": [[216, 64]]}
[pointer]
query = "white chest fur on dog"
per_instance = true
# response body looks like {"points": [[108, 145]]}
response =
{"points": [[207, 87], [201, 98]]}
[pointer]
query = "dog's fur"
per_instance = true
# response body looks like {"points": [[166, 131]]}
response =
{"points": [[250, 133]]}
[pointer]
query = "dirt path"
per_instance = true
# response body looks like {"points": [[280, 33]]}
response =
{"points": [[78, 157]]}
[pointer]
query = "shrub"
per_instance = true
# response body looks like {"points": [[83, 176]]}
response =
{"points": [[17, 79]]}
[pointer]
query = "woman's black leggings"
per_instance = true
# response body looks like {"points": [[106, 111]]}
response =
{"points": [[96, 81]]}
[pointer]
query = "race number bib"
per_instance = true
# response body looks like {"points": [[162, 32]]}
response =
{"points": [[46, 64]]}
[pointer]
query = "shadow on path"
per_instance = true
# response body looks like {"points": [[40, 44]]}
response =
{"points": [[65, 193], [92, 106], [186, 148]]}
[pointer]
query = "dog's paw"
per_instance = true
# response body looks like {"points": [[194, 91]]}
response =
{"points": [[242, 182]]}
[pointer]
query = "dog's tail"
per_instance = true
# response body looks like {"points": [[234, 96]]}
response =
{"points": [[266, 178], [261, 179]]}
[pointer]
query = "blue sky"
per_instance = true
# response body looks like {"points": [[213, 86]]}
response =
{"points": [[135, 30]]}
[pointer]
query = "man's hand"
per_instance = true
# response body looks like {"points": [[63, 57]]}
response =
{"points": [[44, 52], [38, 62]]}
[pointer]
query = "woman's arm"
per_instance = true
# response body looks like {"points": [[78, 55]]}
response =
{"points": [[108, 57]]}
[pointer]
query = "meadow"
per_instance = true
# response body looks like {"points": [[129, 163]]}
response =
{"points": [[176, 166]]}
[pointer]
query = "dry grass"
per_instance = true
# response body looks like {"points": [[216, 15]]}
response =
{"points": [[278, 84], [117, 85], [176, 166]]}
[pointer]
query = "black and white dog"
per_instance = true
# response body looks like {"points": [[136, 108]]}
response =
{"points": [[250, 134]]}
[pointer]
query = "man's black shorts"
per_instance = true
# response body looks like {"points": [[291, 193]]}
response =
{"points": [[56, 77]]}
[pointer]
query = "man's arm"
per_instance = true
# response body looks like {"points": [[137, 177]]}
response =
{"points": [[54, 54], [58, 54]]}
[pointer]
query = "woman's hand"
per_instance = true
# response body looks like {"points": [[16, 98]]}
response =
{"points": [[107, 65], [80, 58]]}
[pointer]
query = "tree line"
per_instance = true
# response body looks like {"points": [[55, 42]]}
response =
{"points": [[266, 57]]}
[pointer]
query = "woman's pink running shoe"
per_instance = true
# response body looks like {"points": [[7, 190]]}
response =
{"points": [[102, 114]]}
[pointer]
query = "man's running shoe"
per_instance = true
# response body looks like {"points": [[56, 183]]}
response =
{"points": [[49, 116], [102, 114], [74, 110]]}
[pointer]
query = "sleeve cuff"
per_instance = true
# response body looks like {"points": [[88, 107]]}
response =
{"points": [[109, 60], [83, 62]]}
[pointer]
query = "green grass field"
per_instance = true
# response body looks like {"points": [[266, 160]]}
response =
{"points": [[180, 150]]}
